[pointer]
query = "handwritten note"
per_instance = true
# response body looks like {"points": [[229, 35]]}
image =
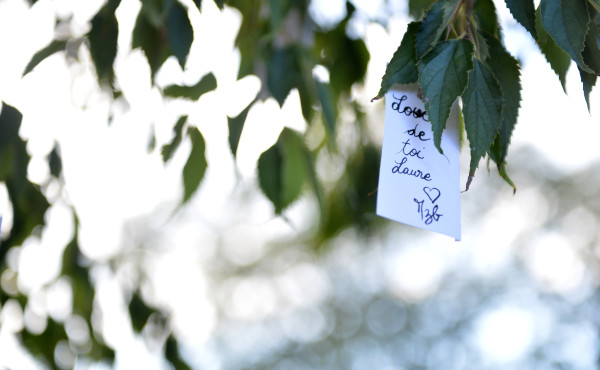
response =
{"points": [[418, 185]]}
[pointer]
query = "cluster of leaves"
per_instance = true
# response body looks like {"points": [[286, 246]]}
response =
{"points": [[278, 42], [454, 49], [29, 206]]}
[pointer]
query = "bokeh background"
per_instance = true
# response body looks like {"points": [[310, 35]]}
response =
{"points": [[123, 276]]}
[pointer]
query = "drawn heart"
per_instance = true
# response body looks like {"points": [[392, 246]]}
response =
{"points": [[432, 193]]}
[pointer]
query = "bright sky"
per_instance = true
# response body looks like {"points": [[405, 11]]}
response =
{"points": [[112, 181]]}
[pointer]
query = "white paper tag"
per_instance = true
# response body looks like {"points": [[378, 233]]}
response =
{"points": [[418, 186]]}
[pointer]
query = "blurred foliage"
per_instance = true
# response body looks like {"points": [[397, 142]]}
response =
{"points": [[281, 44]]}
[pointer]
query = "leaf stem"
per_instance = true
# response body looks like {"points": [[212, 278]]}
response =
{"points": [[468, 12]]}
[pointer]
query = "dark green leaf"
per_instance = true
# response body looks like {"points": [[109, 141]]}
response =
{"points": [[567, 21], [591, 51], [559, 60], [206, 84], [283, 71], [54, 162], [486, 17], [172, 354], [507, 73], [595, 4], [154, 11], [54, 47], [236, 125], [482, 108], [282, 170], [220, 3], [139, 312], [151, 40], [443, 77], [28, 203], [329, 110], [269, 175], [524, 13], [402, 69], [417, 8], [169, 149], [434, 24], [103, 40], [589, 81], [195, 167], [180, 34], [198, 4], [277, 10]]}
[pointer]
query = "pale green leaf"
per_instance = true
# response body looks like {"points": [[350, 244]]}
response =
{"points": [[443, 76], [482, 108], [195, 167], [402, 69], [567, 21], [559, 60]]}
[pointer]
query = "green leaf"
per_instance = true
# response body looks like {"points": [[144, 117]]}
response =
{"points": [[206, 84], [198, 4], [417, 8], [589, 81], [103, 40], [168, 150], [328, 107], [269, 175], [524, 13], [482, 108], [282, 170], [139, 312], [28, 203], [434, 24], [591, 51], [180, 33], [54, 47], [486, 17], [502, 172], [236, 126], [559, 60], [277, 10], [567, 21], [172, 354], [55, 162], [402, 69], [507, 73], [220, 3], [195, 167], [151, 40], [443, 76], [283, 70], [595, 4]]}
